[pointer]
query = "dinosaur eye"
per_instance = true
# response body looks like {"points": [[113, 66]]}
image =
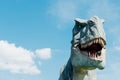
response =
{"points": [[82, 25], [91, 23]]}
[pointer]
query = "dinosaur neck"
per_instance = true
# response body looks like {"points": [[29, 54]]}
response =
{"points": [[84, 74]]}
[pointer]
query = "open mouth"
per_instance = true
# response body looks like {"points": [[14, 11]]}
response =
{"points": [[93, 48]]}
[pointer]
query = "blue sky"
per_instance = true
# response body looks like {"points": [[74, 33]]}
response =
{"points": [[35, 36]]}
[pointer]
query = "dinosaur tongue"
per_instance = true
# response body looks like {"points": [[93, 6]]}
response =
{"points": [[93, 53], [94, 49]]}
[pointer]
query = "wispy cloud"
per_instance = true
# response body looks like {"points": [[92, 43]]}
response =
{"points": [[68, 10], [117, 48], [104, 9], [20, 60], [44, 53], [64, 10]]}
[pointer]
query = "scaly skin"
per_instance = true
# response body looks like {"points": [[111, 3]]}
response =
{"points": [[87, 50]]}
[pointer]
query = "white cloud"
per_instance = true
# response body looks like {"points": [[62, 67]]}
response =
{"points": [[117, 48], [44, 53], [16, 59]]}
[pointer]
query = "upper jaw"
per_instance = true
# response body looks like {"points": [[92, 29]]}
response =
{"points": [[99, 40], [93, 48]]}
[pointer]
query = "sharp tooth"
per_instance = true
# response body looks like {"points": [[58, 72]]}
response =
{"points": [[89, 43], [96, 40], [99, 40], [92, 42], [102, 43]]}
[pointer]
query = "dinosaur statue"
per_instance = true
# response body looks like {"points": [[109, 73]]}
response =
{"points": [[87, 51]]}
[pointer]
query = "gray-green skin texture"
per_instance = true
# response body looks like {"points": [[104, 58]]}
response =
{"points": [[87, 50]]}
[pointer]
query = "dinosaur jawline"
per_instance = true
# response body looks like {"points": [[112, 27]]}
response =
{"points": [[93, 48]]}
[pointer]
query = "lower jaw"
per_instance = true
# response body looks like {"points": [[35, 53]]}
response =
{"points": [[91, 57], [86, 63], [96, 59], [93, 66], [87, 67]]}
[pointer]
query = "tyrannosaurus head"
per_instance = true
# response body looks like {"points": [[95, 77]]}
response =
{"points": [[88, 44]]}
